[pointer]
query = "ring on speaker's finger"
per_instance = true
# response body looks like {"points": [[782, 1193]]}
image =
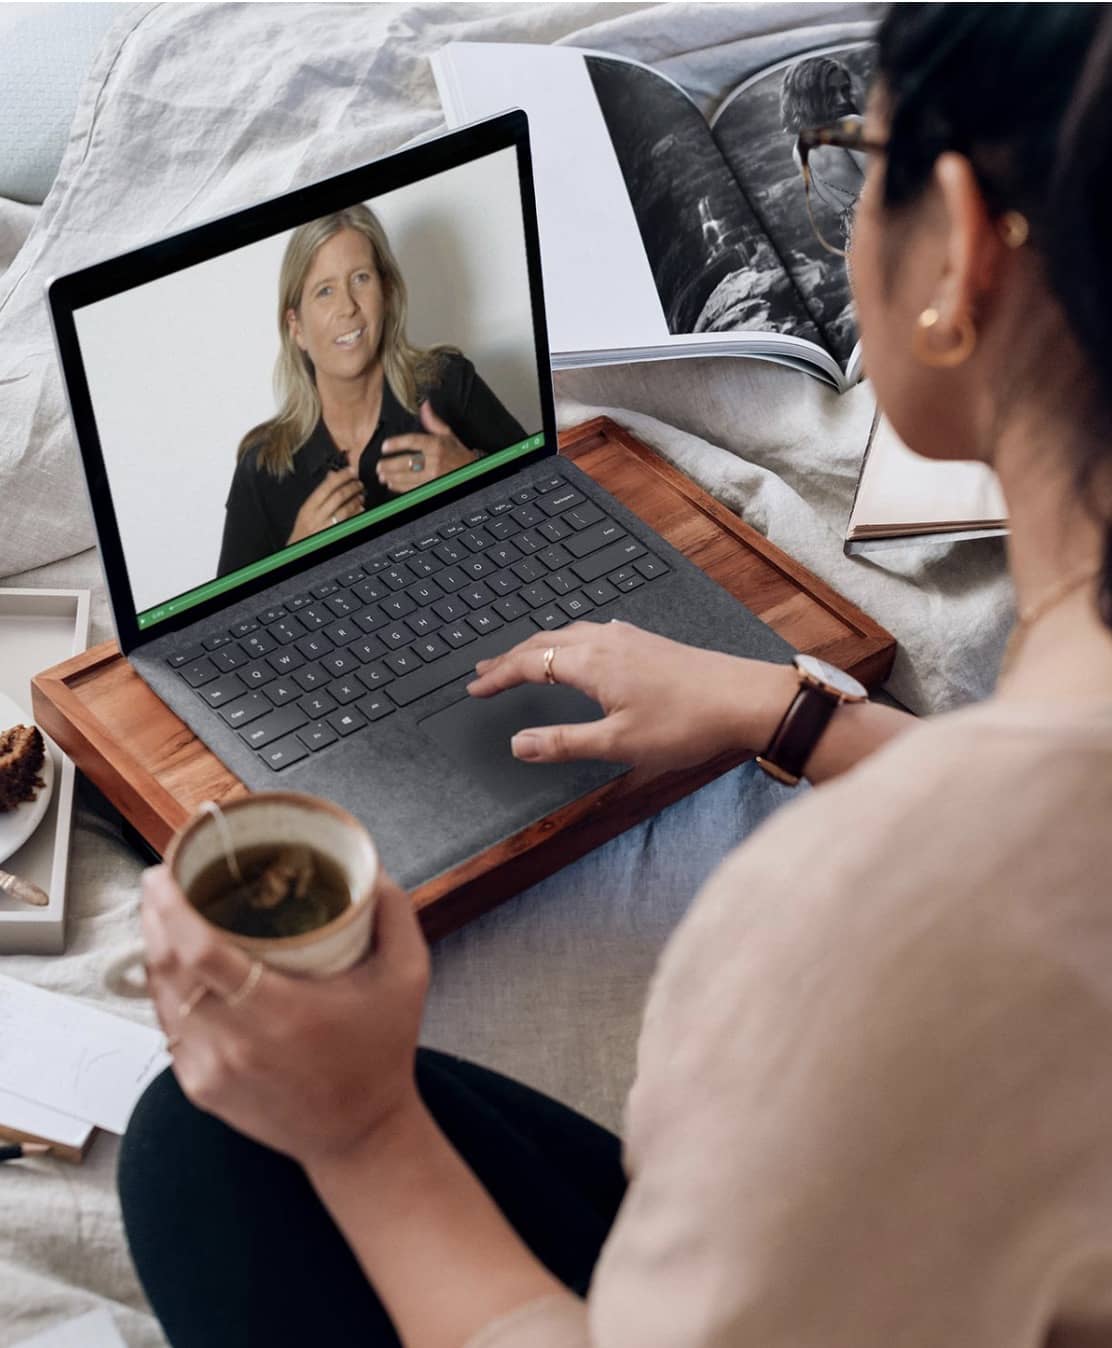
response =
{"points": [[549, 657]]}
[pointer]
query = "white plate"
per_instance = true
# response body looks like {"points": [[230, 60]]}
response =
{"points": [[17, 825]]}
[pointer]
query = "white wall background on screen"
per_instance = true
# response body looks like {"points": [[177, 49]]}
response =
{"points": [[180, 369]]}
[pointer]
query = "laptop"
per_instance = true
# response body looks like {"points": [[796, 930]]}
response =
{"points": [[302, 563]]}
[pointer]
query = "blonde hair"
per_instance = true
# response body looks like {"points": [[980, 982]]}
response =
{"points": [[407, 369]]}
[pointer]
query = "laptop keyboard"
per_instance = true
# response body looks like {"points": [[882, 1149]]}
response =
{"points": [[331, 661]]}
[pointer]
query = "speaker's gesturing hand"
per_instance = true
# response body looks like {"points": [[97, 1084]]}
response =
{"points": [[339, 497], [418, 458], [666, 705]]}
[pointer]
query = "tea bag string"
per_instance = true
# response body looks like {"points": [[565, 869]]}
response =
{"points": [[210, 807]]}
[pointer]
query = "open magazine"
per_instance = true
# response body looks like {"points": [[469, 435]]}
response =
{"points": [[665, 234]]}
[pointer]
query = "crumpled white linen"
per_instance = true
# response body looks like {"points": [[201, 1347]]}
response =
{"points": [[193, 110]]}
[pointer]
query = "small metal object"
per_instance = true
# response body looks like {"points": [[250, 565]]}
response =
{"points": [[335, 520], [549, 656], [417, 463], [23, 890], [194, 999]]}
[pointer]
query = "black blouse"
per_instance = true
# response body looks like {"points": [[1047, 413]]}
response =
{"points": [[261, 509]]}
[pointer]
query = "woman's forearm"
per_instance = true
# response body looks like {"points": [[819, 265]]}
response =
{"points": [[438, 1252], [855, 730]]}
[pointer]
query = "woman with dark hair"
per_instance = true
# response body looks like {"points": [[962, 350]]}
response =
{"points": [[873, 1090]]}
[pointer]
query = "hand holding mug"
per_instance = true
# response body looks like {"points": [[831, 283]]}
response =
{"points": [[338, 497], [416, 458]]}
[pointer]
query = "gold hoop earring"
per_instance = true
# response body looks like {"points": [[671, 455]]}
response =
{"points": [[952, 356], [1014, 229]]}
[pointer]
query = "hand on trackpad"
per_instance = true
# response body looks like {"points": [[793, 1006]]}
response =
{"points": [[477, 733]]}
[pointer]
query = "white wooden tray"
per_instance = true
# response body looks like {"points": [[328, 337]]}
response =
{"points": [[38, 628]]}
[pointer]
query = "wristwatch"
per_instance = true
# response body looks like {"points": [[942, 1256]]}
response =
{"points": [[822, 690]]}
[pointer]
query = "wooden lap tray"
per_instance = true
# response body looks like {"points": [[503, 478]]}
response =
{"points": [[156, 772]]}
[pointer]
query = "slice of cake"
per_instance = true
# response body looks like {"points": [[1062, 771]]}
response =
{"points": [[21, 760]]}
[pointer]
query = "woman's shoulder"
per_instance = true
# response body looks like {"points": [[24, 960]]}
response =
{"points": [[446, 370]]}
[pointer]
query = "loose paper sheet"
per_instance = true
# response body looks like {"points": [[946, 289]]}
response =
{"points": [[95, 1330], [56, 1052]]}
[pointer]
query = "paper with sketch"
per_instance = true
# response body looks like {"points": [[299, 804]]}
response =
{"points": [[56, 1052], [21, 1115], [95, 1330]]}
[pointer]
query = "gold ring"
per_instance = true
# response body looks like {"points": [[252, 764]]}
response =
{"points": [[247, 987], [197, 996], [549, 656], [335, 520]]}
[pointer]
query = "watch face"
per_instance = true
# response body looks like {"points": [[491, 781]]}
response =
{"points": [[831, 677]]}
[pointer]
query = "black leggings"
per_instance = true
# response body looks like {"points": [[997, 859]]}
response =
{"points": [[235, 1250]]}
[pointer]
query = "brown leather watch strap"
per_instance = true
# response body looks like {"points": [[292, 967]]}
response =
{"points": [[798, 733]]}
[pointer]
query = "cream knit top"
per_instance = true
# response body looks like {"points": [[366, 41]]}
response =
{"points": [[873, 1106]]}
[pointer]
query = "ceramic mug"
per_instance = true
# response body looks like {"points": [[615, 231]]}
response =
{"points": [[275, 818]]}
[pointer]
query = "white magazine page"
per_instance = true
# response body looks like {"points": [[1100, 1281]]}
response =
{"points": [[900, 488], [599, 290]]}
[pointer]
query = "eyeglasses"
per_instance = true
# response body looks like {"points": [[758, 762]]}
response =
{"points": [[846, 134]]}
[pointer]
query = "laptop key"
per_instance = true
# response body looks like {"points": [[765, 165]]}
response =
{"points": [[536, 595], [282, 691], [649, 566], [450, 609], [580, 517], [554, 557], [370, 590], [598, 564], [311, 676], [527, 516], [299, 601], [505, 527], [342, 603], [477, 539], [342, 633], [554, 530], [371, 619], [455, 634], [398, 605], [340, 662], [273, 726], [476, 596], [271, 615], [403, 553], [550, 617], [562, 582], [315, 705], [287, 751], [225, 689], [485, 620], [346, 721], [286, 660], [450, 553], [429, 541], [597, 536], [315, 615], [529, 541], [451, 530], [350, 578], [315, 645], [375, 706], [576, 605], [229, 657], [503, 554], [397, 636], [245, 709], [398, 577], [255, 675], [556, 502], [258, 643], [505, 582], [428, 678], [547, 484], [626, 579], [402, 662], [478, 567], [344, 690], [429, 649], [521, 497], [374, 676], [510, 607], [214, 643], [425, 564], [422, 623], [452, 579], [324, 589], [366, 649], [601, 592], [318, 735], [425, 592], [476, 518], [529, 568], [200, 672], [500, 507], [244, 628]]}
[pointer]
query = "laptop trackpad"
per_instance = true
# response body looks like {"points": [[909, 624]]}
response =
{"points": [[477, 733]]}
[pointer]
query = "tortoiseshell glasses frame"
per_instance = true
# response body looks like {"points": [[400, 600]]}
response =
{"points": [[846, 134]]}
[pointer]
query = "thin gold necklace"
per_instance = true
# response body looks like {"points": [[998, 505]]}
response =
{"points": [[1029, 614]]}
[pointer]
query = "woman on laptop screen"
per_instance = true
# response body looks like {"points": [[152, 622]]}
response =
{"points": [[365, 415]]}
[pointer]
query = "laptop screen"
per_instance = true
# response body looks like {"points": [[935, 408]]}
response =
{"points": [[256, 407]]}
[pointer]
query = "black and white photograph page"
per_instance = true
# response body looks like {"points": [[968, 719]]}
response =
{"points": [[757, 129], [714, 267]]}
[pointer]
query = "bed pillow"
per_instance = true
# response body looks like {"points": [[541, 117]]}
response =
{"points": [[45, 51]]}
